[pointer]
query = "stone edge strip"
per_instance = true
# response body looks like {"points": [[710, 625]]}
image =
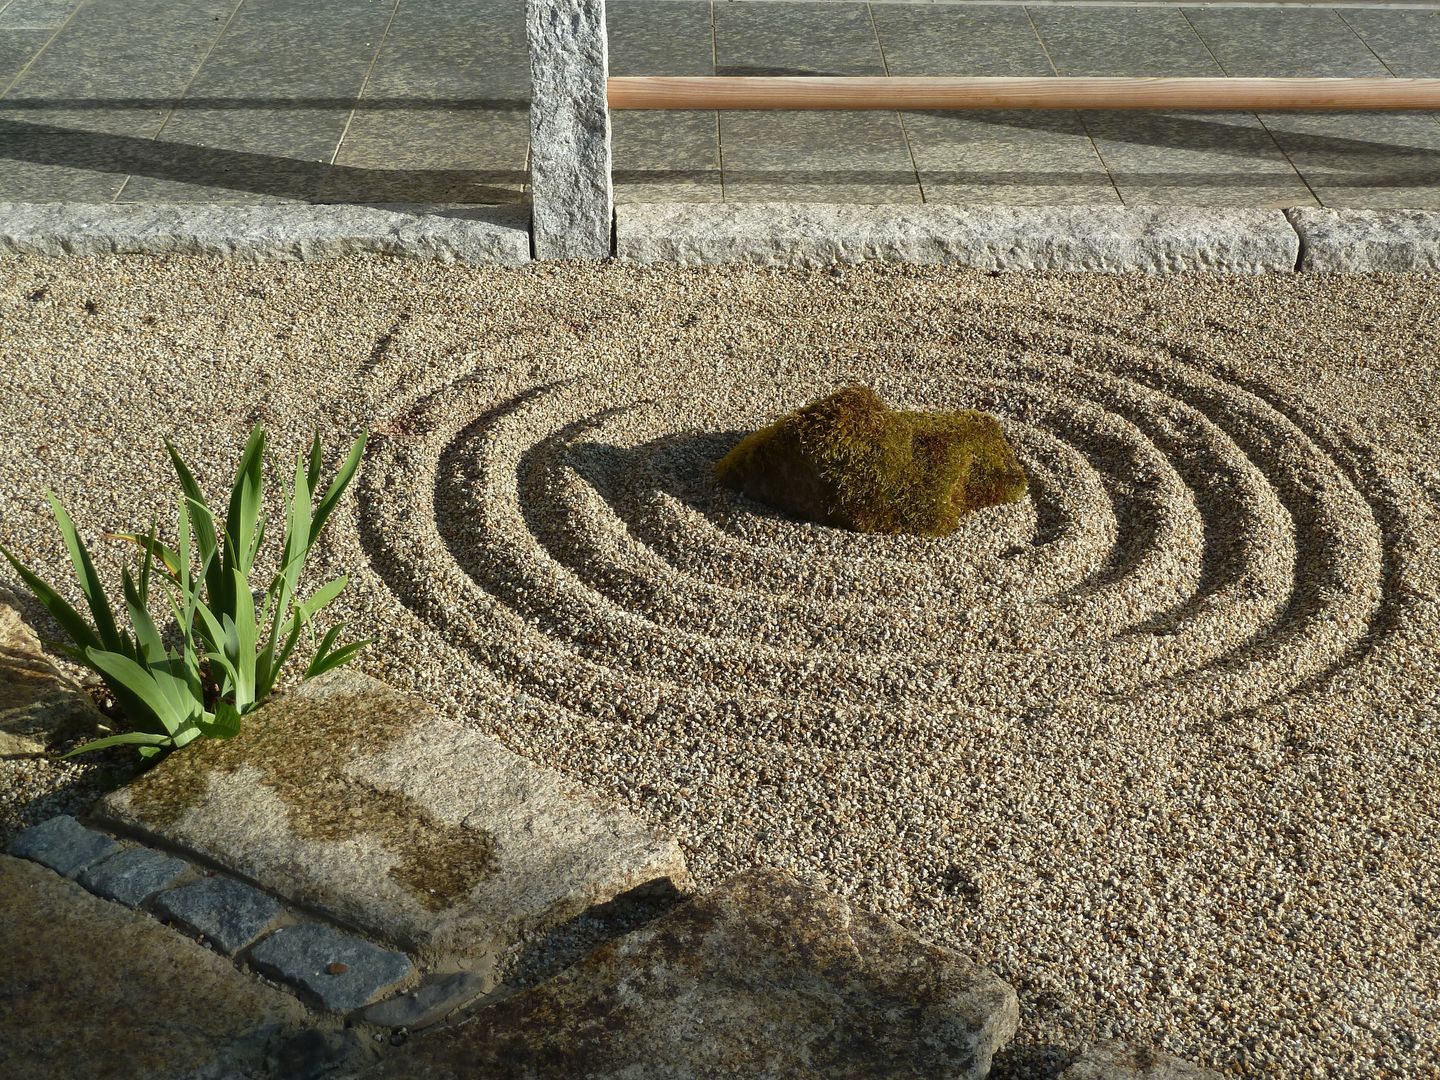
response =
{"points": [[1060, 238], [491, 235], [1367, 241], [76, 851], [1104, 239]]}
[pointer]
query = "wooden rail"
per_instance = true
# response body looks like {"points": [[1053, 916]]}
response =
{"points": [[805, 92]]}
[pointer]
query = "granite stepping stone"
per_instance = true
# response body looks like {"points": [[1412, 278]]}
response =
{"points": [[359, 802], [133, 876], [344, 972], [228, 913], [765, 976], [64, 845], [93, 989]]}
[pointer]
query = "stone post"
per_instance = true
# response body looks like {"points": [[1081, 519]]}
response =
{"points": [[573, 207]]}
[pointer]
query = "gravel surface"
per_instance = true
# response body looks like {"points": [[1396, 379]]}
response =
{"points": [[1158, 743]]}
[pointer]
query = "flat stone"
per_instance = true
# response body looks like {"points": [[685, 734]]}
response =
{"points": [[1368, 241], [343, 971], [1061, 238], [284, 232], [38, 706], [572, 198], [763, 977], [320, 1052], [91, 989], [1118, 1061], [358, 801], [433, 1000], [63, 844], [228, 913], [133, 876]]}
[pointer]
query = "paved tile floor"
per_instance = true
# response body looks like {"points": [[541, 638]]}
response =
{"points": [[425, 101]]}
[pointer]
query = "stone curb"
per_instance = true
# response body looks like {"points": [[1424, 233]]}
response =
{"points": [[1050, 238], [495, 235], [1367, 241], [1104, 239], [336, 970]]}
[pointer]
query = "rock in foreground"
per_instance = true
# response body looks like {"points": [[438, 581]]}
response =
{"points": [[850, 461], [93, 989], [38, 706], [764, 977]]}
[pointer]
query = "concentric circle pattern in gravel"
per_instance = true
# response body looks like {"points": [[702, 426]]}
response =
{"points": [[1158, 742]]}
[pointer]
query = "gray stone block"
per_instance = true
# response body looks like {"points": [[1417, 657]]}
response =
{"points": [[342, 971], [572, 198], [1118, 1061], [361, 803], [1063, 238], [228, 913], [432, 1001], [763, 977], [133, 876], [64, 845], [1368, 241], [284, 232]]}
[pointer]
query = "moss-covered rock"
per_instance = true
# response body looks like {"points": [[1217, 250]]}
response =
{"points": [[850, 461]]}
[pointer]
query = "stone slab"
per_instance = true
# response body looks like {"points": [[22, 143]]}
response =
{"points": [[257, 233], [344, 972], [38, 706], [1065, 238], [569, 129], [1119, 1061], [437, 997], [356, 800], [228, 913], [92, 989], [133, 876], [763, 977], [64, 845], [1368, 241]]}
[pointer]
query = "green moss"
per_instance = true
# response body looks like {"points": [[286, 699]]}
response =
{"points": [[300, 745], [850, 461]]}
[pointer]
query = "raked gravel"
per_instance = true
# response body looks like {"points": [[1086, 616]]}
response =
{"points": [[1160, 743]]}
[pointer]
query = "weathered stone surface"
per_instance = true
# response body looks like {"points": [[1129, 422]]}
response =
{"points": [[344, 972], [1109, 239], [569, 129], [38, 706], [228, 913], [1368, 241], [90, 989], [764, 977], [64, 845], [320, 1052], [433, 1000], [1117, 1061], [355, 799], [133, 876], [286, 232]]}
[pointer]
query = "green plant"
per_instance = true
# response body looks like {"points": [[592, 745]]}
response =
{"points": [[225, 656]]}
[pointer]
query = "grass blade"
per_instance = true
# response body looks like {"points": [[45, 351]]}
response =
{"points": [[70, 620], [337, 486], [129, 738], [89, 580]]}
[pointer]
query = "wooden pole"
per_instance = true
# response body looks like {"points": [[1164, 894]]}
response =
{"points": [[805, 92]]}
